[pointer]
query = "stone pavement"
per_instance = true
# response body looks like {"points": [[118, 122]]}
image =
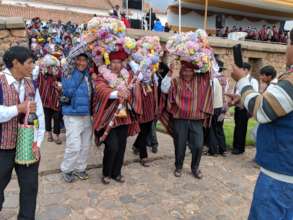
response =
{"points": [[149, 193], [52, 154]]}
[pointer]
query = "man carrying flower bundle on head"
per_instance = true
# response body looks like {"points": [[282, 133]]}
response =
{"points": [[189, 101], [114, 113], [145, 64], [116, 97]]}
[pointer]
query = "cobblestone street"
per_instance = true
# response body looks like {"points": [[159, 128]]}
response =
{"points": [[149, 193]]}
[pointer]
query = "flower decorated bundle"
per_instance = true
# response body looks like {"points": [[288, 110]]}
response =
{"points": [[115, 82], [192, 47], [49, 64], [110, 35], [146, 58]]}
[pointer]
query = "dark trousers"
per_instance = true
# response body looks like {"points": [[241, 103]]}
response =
{"points": [[152, 139], [115, 145], [27, 180], [55, 115], [142, 139], [216, 141], [187, 132], [241, 118]]}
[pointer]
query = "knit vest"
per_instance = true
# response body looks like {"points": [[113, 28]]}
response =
{"points": [[9, 97], [275, 145]]}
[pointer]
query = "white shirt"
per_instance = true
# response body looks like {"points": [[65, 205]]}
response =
{"points": [[9, 112], [166, 84], [253, 82], [218, 94]]}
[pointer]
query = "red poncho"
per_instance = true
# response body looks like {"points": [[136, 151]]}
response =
{"points": [[187, 100], [106, 108]]}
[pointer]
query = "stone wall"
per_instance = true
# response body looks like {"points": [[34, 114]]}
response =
{"points": [[12, 32], [256, 53]]}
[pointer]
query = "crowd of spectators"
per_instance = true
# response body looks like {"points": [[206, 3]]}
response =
{"points": [[52, 37], [266, 33]]}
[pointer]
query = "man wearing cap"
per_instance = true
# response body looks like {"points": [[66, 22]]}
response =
{"points": [[190, 106], [274, 111], [114, 109], [77, 120]]}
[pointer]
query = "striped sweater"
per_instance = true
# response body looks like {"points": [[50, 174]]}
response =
{"points": [[275, 102]]}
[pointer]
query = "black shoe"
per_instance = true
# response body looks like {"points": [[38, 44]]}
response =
{"points": [[197, 174], [155, 149], [135, 150], [237, 152], [178, 172]]}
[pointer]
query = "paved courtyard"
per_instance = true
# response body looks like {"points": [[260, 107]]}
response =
{"points": [[149, 193]]}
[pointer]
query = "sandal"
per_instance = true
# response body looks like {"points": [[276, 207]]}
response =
{"points": [[120, 179], [50, 139], [197, 174], [106, 180], [144, 162], [58, 141]]}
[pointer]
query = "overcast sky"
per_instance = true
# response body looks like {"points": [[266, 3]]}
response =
{"points": [[161, 4]]}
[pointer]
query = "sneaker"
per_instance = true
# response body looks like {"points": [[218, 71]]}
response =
{"points": [[68, 177], [178, 172], [81, 175]]}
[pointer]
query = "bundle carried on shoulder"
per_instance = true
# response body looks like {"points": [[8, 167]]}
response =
{"points": [[192, 47]]}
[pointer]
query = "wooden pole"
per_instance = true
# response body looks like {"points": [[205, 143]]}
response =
{"points": [[143, 15], [180, 16], [127, 8], [206, 15]]}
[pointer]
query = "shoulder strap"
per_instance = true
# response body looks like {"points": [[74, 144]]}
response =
{"points": [[1, 90]]}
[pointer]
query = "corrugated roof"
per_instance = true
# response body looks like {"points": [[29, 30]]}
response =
{"points": [[94, 4], [46, 14]]}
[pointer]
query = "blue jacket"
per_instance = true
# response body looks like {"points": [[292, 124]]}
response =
{"points": [[275, 145], [158, 27], [81, 101]]}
